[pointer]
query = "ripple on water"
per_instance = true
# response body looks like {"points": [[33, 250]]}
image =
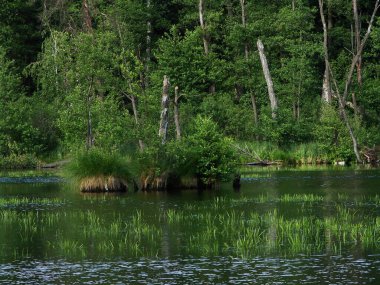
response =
{"points": [[33, 179], [221, 270]]}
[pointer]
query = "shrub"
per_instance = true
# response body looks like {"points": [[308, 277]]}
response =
{"points": [[24, 161], [205, 153]]}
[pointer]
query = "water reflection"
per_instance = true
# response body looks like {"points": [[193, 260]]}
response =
{"points": [[50, 234]]}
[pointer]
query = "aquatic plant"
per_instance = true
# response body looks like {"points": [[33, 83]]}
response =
{"points": [[219, 227], [100, 171]]}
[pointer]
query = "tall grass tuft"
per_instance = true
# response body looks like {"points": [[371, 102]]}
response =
{"points": [[99, 171]]}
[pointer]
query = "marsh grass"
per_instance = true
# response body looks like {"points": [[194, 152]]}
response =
{"points": [[304, 154], [221, 230], [220, 227], [100, 171], [23, 201]]}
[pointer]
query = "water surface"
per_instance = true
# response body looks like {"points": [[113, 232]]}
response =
{"points": [[287, 226]]}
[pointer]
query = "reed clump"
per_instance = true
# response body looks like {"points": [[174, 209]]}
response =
{"points": [[99, 171]]}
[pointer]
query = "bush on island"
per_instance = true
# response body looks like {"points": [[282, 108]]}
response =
{"points": [[96, 170]]}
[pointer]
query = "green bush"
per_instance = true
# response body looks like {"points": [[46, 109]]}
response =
{"points": [[205, 153], [332, 135], [24, 161]]}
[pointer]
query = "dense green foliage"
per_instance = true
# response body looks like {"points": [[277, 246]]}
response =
{"points": [[71, 75], [205, 153]]}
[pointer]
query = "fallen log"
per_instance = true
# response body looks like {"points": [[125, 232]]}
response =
{"points": [[262, 163], [56, 164]]}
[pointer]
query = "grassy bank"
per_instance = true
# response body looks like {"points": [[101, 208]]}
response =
{"points": [[15, 162], [299, 154]]}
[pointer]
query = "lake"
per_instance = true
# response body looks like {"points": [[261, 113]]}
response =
{"points": [[311, 225]]}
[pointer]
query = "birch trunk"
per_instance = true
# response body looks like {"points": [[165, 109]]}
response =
{"points": [[246, 56], [176, 113], [359, 52], [244, 23], [206, 43], [164, 119], [326, 88], [268, 78], [205, 37]]}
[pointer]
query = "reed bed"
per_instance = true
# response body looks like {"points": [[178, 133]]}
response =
{"points": [[20, 201], [222, 227]]}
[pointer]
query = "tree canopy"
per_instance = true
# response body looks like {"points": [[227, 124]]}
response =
{"points": [[90, 71]]}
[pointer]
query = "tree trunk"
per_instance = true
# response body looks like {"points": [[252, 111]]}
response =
{"points": [[357, 40], [244, 23], [135, 115], [89, 136], [229, 9], [87, 16], [342, 99], [268, 78], [254, 108], [148, 45], [343, 114], [359, 52], [246, 56], [206, 43], [176, 114], [205, 37], [164, 121], [326, 88]]}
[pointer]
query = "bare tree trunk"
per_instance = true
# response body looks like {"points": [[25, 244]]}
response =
{"points": [[148, 45], [176, 113], [87, 21], [205, 37], [87, 16], [89, 137], [55, 53], [359, 52], [268, 78], [344, 116], [357, 40], [135, 115], [298, 101], [357, 43], [206, 43], [244, 23], [326, 88], [246, 56], [342, 99], [164, 121], [254, 108]]}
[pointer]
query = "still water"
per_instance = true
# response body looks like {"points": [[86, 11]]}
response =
{"points": [[284, 226]]}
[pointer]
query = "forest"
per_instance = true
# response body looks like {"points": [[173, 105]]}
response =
{"points": [[190, 82]]}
